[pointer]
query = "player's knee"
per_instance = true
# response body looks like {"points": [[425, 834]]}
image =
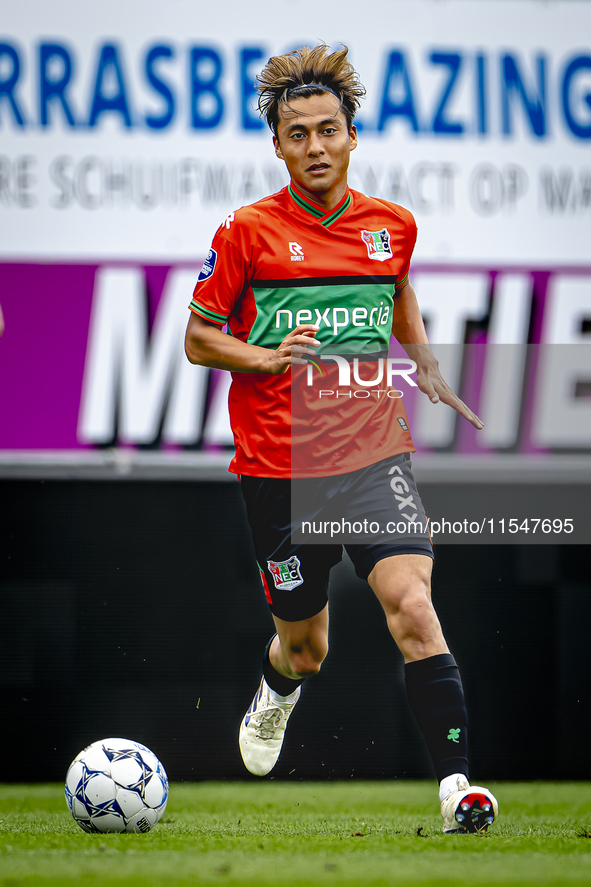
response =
{"points": [[413, 612], [406, 597]]}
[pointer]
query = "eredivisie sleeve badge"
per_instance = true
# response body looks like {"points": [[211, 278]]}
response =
{"points": [[209, 265], [286, 574], [378, 244]]}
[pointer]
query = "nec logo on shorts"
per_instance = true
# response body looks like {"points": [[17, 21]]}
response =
{"points": [[378, 244], [286, 574], [297, 252]]}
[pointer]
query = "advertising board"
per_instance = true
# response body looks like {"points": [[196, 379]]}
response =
{"points": [[127, 139]]}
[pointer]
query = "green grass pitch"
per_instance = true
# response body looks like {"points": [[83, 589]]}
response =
{"points": [[357, 834]]}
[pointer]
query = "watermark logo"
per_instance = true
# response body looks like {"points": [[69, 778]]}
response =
{"points": [[386, 368], [315, 362]]}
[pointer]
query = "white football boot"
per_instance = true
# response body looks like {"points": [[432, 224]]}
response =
{"points": [[262, 730], [471, 808]]}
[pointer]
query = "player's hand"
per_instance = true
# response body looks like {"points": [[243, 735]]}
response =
{"points": [[431, 382], [294, 348]]}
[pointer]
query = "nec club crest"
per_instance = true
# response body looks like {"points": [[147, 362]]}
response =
{"points": [[378, 244], [286, 574]]}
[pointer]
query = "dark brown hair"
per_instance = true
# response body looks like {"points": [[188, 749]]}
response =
{"points": [[313, 69]]}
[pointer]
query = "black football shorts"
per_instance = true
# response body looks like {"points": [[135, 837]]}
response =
{"points": [[299, 529]]}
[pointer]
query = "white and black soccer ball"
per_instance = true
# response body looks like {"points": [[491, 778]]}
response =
{"points": [[116, 785]]}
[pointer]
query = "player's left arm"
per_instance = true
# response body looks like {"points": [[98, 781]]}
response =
{"points": [[408, 328]]}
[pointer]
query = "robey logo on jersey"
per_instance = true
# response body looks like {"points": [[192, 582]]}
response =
{"points": [[297, 252]]}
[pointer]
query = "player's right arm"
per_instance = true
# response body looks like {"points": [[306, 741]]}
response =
{"points": [[225, 276], [207, 345]]}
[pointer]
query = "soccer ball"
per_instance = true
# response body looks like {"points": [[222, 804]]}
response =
{"points": [[116, 785]]}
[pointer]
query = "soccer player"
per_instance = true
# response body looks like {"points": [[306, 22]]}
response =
{"points": [[318, 269]]}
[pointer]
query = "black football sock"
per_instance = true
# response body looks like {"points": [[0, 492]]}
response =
{"points": [[436, 697], [277, 682]]}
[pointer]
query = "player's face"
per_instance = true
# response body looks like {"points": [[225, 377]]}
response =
{"points": [[314, 141]]}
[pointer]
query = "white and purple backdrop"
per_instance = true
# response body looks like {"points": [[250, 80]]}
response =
{"points": [[127, 134]]}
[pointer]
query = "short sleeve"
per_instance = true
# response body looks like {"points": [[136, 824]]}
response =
{"points": [[225, 272]]}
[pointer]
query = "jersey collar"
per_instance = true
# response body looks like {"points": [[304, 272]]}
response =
{"points": [[326, 219]]}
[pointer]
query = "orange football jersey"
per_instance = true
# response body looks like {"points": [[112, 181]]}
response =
{"points": [[282, 262]]}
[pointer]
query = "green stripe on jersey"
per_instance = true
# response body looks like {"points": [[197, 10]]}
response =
{"points": [[310, 207], [316, 211], [207, 313], [330, 220], [352, 319]]}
